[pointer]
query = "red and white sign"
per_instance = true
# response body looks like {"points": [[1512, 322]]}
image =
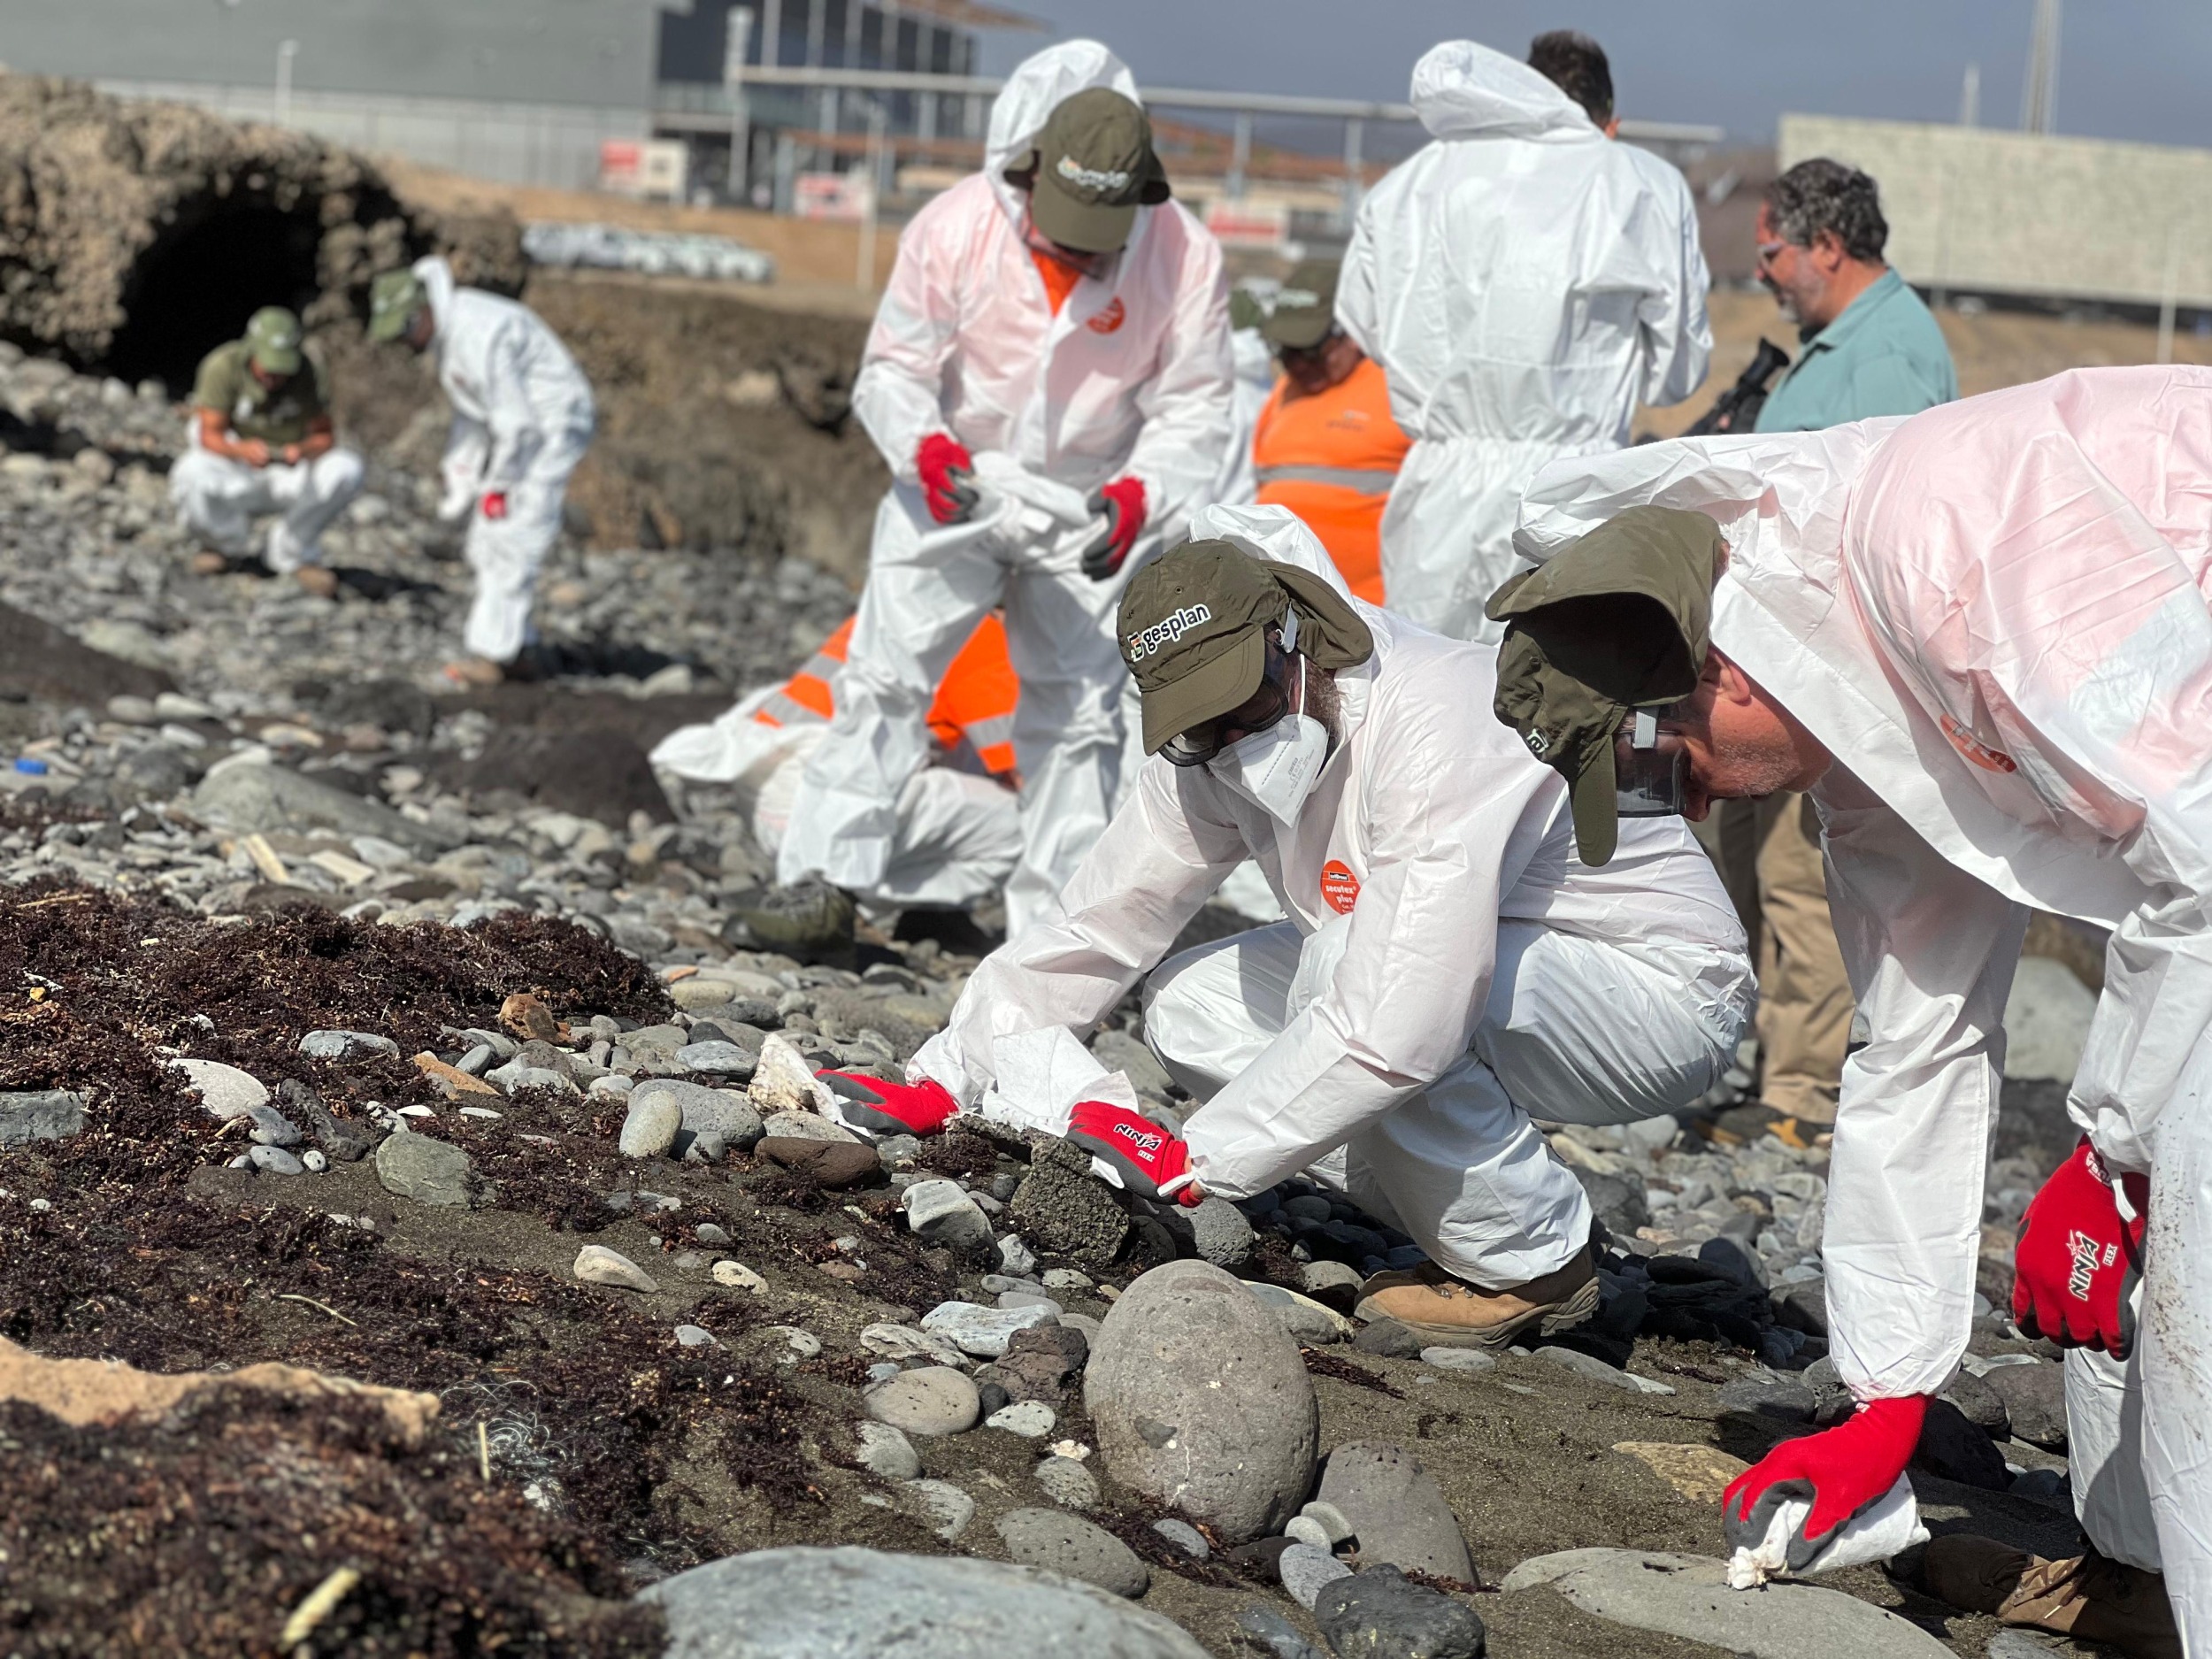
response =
{"points": [[1247, 223], [833, 196]]}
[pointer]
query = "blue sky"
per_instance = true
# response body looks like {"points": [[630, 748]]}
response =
{"points": [[2131, 69]]}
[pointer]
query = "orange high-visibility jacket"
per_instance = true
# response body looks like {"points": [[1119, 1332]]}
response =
{"points": [[1331, 459], [975, 701]]}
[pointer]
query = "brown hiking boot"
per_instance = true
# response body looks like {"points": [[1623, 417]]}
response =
{"points": [[317, 580], [1451, 1313], [2086, 1596], [208, 562]]}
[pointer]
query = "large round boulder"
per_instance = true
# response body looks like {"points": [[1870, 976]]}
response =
{"points": [[1201, 1401]]}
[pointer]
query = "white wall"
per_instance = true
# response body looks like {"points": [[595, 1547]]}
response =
{"points": [[1980, 210]]}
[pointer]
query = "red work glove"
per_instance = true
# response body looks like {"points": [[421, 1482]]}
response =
{"points": [[494, 506], [1122, 503], [1842, 1471], [891, 1109], [2079, 1257], [948, 472], [1152, 1162]]}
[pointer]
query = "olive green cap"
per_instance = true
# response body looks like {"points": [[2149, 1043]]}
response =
{"points": [[1093, 166], [1304, 314], [1618, 620], [1194, 631], [272, 340], [393, 299], [1245, 311]]}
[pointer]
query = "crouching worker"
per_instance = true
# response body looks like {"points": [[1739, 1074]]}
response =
{"points": [[263, 441], [1449, 968], [522, 419], [1978, 637], [959, 831]]}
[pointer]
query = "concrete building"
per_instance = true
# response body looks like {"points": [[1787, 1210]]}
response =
{"points": [[520, 90], [1978, 211]]}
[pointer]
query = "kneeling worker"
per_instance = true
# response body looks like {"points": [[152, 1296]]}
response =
{"points": [[1449, 965], [958, 827], [522, 419], [263, 441]]}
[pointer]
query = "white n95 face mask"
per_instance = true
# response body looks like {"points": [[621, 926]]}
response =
{"points": [[1276, 769]]}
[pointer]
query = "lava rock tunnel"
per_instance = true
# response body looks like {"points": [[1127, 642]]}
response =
{"points": [[196, 286]]}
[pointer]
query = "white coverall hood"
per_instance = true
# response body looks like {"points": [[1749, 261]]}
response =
{"points": [[1039, 84], [1465, 90], [436, 277], [1525, 282], [1998, 611]]}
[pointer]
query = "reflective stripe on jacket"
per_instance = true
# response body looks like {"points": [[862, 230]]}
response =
{"points": [[975, 701], [1331, 458]]}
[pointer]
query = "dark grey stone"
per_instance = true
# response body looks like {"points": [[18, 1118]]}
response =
{"points": [[1062, 1209], [1956, 1450], [1616, 1200], [1980, 1405], [348, 1142], [423, 1167], [48, 1114], [1381, 1613], [1395, 1507], [852, 1603], [1783, 1399], [1265, 1627], [1221, 1233], [1388, 1339], [2034, 1398], [1064, 1543]]}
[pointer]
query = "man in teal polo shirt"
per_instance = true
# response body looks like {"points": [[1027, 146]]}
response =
{"points": [[1868, 348], [1871, 346]]}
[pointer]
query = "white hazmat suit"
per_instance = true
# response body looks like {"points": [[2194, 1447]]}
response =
{"points": [[1996, 613], [958, 832], [522, 419], [219, 498], [1130, 378], [1523, 280], [1448, 967]]}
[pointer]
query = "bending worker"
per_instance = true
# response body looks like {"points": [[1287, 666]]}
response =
{"points": [[522, 419], [263, 441], [959, 831], [1524, 282], [1448, 964], [1326, 445], [1979, 636], [1049, 381]]}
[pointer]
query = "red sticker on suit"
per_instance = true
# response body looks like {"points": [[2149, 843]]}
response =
{"points": [[1339, 888]]}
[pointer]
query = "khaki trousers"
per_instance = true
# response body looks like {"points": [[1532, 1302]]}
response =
{"points": [[1769, 853]]}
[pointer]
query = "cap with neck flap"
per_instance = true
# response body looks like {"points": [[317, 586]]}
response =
{"points": [[1618, 620]]}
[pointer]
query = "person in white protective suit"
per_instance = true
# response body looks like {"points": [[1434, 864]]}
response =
{"points": [[1980, 636], [1048, 382], [1448, 967], [959, 830], [522, 419], [1523, 280]]}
